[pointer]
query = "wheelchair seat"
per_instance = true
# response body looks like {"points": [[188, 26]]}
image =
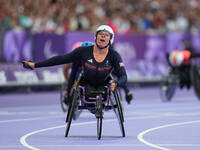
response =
{"points": [[89, 93]]}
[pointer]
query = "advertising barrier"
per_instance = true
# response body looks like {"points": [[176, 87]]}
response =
{"points": [[144, 56], [17, 45], [12, 74]]}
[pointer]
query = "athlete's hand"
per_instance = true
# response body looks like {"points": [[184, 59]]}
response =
{"points": [[28, 65], [113, 85]]}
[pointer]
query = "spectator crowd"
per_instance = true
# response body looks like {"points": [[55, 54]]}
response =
{"points": [[124, 16]]}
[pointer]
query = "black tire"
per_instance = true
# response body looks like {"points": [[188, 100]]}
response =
{"points": [[63, 94], [120, 94], [195, 78], [99, 127], [168, 88], [70, 113], [119, 113], [99, 115], [120, 97]]}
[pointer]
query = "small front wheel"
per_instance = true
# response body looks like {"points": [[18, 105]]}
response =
{"points": [[99, 115]]}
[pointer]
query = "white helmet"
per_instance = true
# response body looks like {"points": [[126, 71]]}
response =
{"points": [[107, 29]]}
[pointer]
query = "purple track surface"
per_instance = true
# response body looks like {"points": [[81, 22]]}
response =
{"points": [[35, 121]]}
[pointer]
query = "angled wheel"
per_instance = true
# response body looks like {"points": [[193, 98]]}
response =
{"points": [[74, 95], [99, 127], [63, 96], [71, 110], [119, 91], [119, 113], [195, 78], [168, 88]]}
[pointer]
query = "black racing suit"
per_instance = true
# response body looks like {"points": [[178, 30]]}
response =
{"points": [[95, 73], [76, 69]]}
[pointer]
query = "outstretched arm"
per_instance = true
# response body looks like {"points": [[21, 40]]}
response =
{"points": [[61, 59], [56, 60]]}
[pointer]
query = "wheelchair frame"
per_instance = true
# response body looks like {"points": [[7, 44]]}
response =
{"points": [[98, 106]]}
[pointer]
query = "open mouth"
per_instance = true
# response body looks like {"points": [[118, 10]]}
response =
{"points": [[102, 40]]}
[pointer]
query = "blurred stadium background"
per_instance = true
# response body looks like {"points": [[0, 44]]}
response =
{"points": [[144, 31]]}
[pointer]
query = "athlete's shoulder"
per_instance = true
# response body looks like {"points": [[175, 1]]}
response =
{"points": [[114, 52], [83, 49]]}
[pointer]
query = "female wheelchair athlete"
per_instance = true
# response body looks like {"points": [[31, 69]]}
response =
{"points": [[183, 72], [96, 101]]}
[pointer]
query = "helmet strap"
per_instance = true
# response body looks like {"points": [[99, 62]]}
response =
{"points": [[102, 47]]}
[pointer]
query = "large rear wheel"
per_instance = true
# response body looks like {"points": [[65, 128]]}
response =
{"points": [[71, 110], [119, 112], [195, 78]]}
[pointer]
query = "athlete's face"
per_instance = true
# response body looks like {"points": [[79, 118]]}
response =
{"points": [[103, 38]]}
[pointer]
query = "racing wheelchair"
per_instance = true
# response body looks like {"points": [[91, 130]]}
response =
{"points": [[96, 101], [181, 76]]}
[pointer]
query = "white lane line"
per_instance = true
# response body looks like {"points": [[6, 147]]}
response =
{"points": [[28, 119], [23, 138], [52, 117], [165, 114], [11, 146], [141, 135], [102, 145], [180, 145], [94, 145], [3, 113]]}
